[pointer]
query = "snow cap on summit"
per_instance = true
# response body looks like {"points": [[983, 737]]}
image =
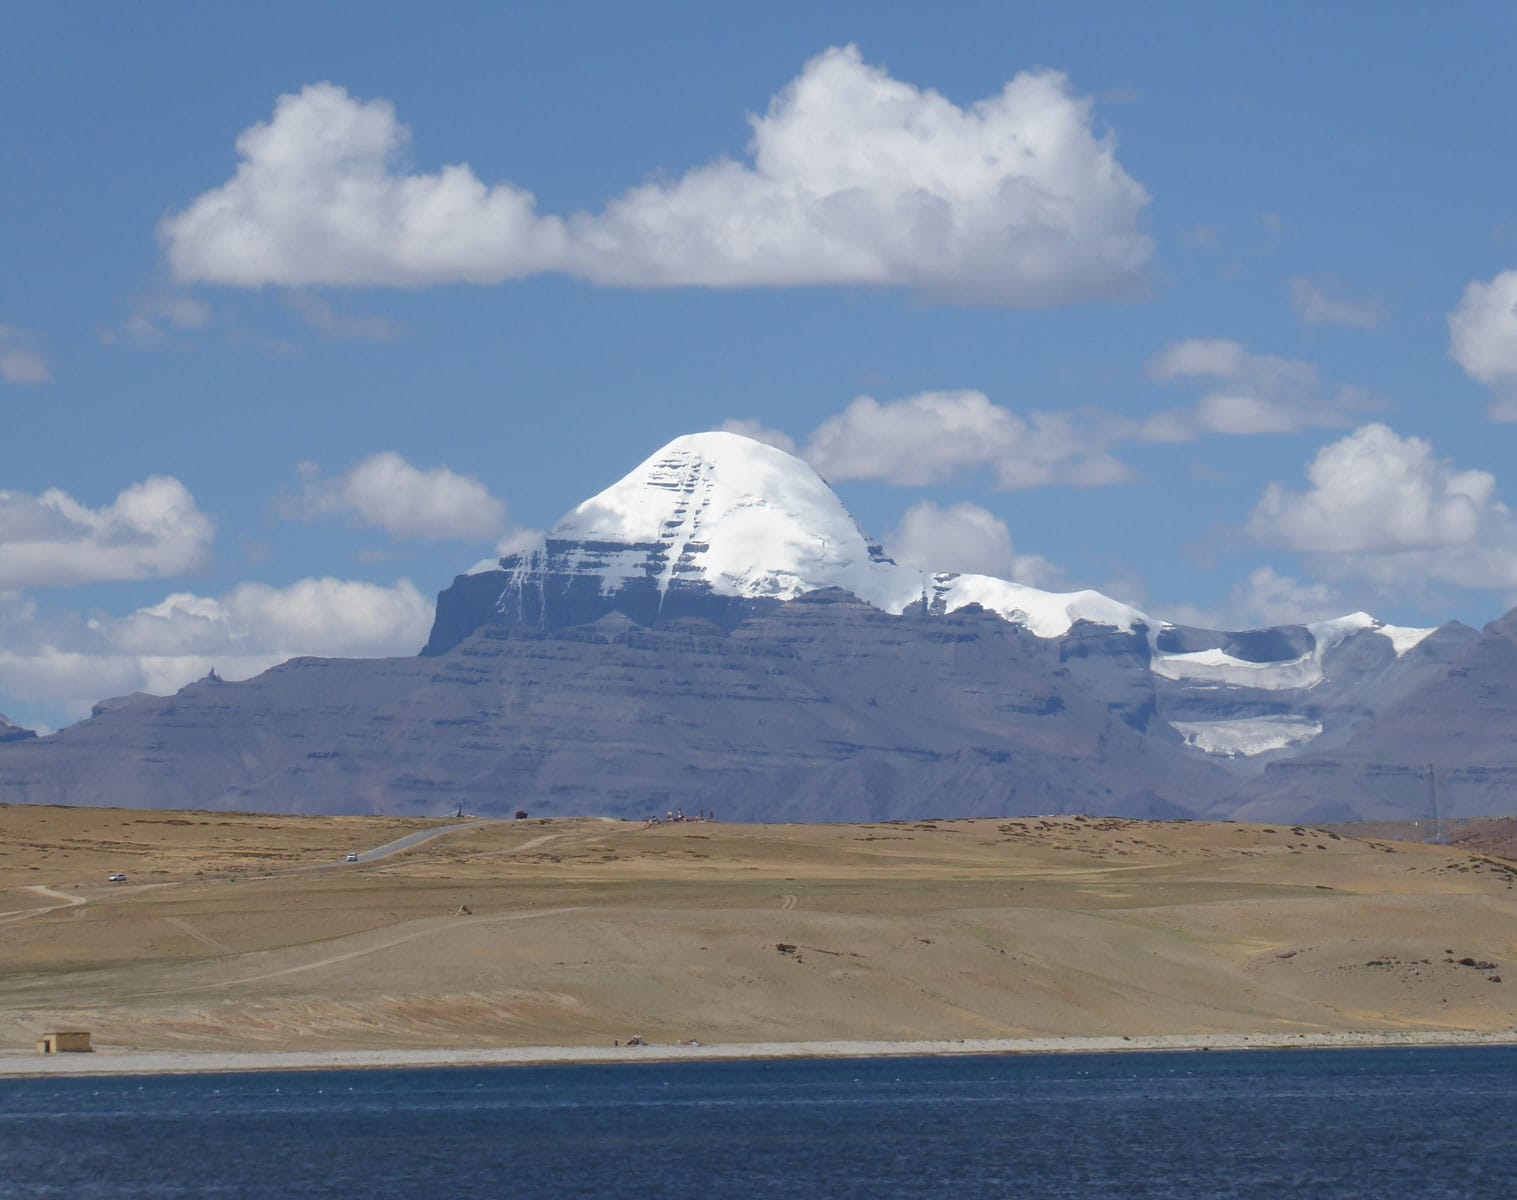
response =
{"points": [[747, 518], [705, 478]]}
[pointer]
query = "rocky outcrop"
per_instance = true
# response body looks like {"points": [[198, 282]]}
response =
{"points": [[11, 732]]}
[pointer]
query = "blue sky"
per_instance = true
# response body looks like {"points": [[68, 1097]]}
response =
{"points": [[305, 309]]}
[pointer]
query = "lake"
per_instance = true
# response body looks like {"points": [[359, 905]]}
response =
{"points": [[1356, 1123]]}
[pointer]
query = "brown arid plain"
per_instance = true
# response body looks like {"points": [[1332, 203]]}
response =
{"points": [[237, 932]]}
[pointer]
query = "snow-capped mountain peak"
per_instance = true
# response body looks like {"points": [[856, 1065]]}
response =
{"points": [[740, 516], [747, 519], [721, 514], [701, 480]]}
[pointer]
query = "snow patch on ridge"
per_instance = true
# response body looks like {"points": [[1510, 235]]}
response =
{"points": [[1403, 638], [1220, 668], [1045, 614]]}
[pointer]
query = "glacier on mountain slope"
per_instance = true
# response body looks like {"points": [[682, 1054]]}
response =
{"points": [[1217, 666], [1247, 736], [746, 519]]}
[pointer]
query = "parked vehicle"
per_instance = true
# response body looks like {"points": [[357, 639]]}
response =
{"points": [[118, 878]]}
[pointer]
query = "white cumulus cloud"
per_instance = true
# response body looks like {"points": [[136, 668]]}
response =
{"points": [[152, 529], [317, 199], [1483, 339], [339, 618], [967, 539], [1386, 509], [1263, 598], [1376, 491], [860, 178], [389, 493], [855, 178], [936, 437], [68, 663], [1268, 597], [1245, 393]]}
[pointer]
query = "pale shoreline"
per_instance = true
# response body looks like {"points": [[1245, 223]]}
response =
{"points": [[108, 1061]]}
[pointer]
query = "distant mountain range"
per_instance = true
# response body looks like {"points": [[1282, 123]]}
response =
{"points": [[714, 632]]}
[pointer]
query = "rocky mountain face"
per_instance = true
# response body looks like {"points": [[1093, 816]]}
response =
{"points": [[823, 708], [715, 632], [1447, 741]]}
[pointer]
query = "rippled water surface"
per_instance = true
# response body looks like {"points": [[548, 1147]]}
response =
{"points": [[1321, 1124]]}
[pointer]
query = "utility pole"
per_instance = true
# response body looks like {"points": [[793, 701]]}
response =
{"points": [[1432, 802]]}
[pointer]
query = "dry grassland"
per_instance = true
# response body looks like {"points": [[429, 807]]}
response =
{"points": [[239, 932]]}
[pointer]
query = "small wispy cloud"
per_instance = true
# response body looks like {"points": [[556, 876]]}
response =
{"points": [[1246, 393], [153, 319], [21, 359], [1314, 306], [323, 318]]}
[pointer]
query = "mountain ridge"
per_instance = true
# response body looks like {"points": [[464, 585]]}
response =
{"points": [[696, 632]]}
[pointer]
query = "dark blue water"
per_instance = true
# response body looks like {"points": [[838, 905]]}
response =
{"points": [[1368, 1123]]}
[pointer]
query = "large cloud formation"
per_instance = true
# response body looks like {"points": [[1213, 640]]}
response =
{"points": [[152, 529], [855, 178], [1483, 339]]}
